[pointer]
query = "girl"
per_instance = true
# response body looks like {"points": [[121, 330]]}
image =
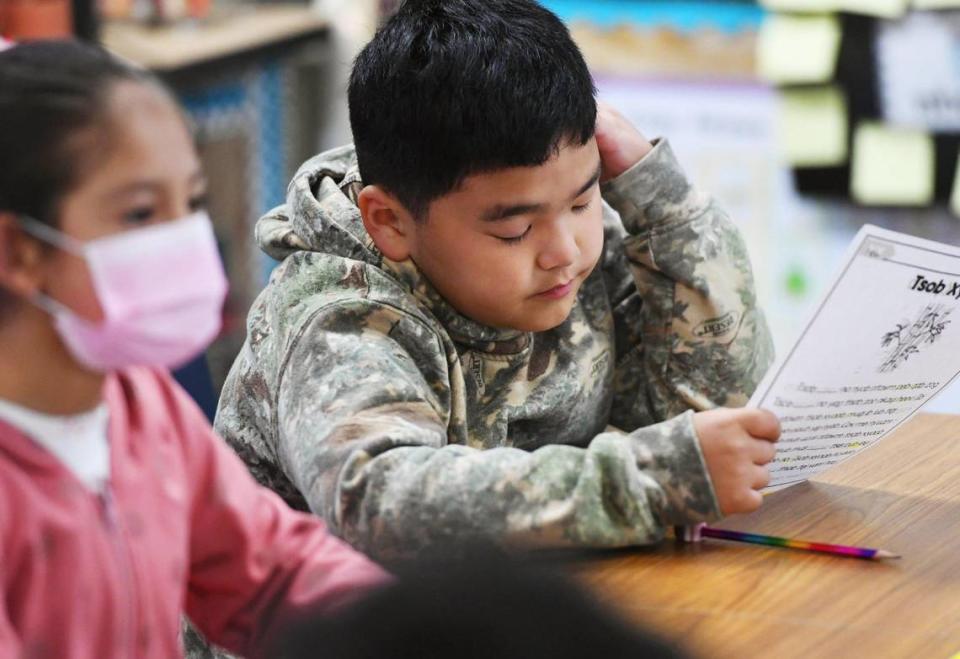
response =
{"points": [[118, 505]]}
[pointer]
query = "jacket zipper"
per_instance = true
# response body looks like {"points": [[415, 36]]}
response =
{"points": [[121, 551]]}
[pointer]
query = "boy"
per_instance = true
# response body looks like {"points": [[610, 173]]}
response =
{"points": [[464, 340]]}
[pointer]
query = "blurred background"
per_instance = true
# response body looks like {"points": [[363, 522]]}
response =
{"points": [[806, 118]]}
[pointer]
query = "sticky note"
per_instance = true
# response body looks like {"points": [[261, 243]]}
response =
{"points": [[798, 49], [812, 127], [892, 166], [878, 8], [955, 206]]}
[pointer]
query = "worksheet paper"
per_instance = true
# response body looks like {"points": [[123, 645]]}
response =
{"points": [[883, 341]]}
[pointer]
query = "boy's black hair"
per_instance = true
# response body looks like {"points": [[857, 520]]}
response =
{"points": [[487, 607], [451, 88]]}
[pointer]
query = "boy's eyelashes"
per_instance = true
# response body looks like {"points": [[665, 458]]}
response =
{"points": [[581, 208], [513, 240]]}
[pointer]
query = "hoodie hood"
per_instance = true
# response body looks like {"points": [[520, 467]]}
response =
{"points": [[321, 213]]}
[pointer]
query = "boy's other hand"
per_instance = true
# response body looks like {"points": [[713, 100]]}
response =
{"points": [[621, 145], [737, 445]]}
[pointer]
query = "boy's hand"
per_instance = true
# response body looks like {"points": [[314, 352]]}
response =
{"points": [[621, 145], [737, 445]]}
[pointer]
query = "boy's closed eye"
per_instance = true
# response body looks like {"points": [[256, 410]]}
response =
{"points": [[581, 208], [507, 213], [577, 209], [513, 240]]}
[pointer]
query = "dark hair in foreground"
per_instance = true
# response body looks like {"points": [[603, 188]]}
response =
{"points": [[484, 608], [451, 88]]}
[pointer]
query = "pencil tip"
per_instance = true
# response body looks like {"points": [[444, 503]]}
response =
{"points": [[881, 553]]}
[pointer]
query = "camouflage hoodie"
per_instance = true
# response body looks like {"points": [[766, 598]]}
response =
{"points": [[364, 396]]}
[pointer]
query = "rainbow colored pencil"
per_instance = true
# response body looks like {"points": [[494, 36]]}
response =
{"points": [[694, 533]]}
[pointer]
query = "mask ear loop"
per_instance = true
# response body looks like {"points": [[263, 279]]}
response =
{"points": [[51, 236], [58, 239]]}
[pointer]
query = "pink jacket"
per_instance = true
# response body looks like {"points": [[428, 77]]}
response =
{"points": [[185, 528]]}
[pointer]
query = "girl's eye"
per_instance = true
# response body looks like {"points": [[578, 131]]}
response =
{"points": [[513, 240], [582, 208], [140, 215], [199, 203]]}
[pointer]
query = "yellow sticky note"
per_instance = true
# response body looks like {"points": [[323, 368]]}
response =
{"points": [[798, 49], [879, 8], [813, 127], [955, 206], [892, 166]]}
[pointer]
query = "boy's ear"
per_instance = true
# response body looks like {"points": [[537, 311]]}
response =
{"points": [[387, 221], [20, 258]]}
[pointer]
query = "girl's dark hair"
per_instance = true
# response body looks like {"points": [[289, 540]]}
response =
{"points": [[49, 92]]}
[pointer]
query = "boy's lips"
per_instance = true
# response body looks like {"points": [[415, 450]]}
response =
{"points": [[558, 291]]}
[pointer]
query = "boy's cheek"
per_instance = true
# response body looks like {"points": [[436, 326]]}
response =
{"points": [[596, 237]]}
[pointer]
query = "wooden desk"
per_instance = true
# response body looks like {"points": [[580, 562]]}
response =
{"points": [[722, 599]]}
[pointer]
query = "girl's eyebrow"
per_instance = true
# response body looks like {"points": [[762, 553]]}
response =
{"points": [[153, 186], [135, 187]]}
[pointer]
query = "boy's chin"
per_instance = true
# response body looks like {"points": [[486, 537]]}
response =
{"points": [[535, 320], [542, 322]]}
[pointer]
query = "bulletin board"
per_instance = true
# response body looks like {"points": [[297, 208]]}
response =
{"points": [[871, 103]]}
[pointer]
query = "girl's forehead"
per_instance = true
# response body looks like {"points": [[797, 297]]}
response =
{"points": [[144, 137]]}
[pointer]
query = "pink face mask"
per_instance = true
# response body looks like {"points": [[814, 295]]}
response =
{"points": [[161, 290]]}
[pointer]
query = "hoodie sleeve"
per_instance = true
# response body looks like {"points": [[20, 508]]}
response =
{"points": [[254, 563], [362, 433], [688, 330]]}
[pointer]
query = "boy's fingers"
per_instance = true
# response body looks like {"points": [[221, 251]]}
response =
{"points": [[750, 501], [761, 424], [761, 478], [763, 452]]}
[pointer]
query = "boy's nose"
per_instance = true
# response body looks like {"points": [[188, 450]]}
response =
{"points": [[560, 251]]}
